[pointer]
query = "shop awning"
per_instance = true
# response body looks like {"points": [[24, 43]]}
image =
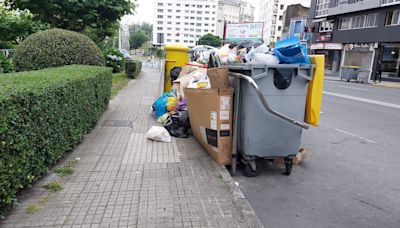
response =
{"points": [[319, 19]]}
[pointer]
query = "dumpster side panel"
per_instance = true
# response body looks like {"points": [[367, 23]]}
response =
{"points": [[315, 89], [265, 135], [262, 133]]}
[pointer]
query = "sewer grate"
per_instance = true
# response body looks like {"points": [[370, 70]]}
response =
{"points": [[118, 123]]}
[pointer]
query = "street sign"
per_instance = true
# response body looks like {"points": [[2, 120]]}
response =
{"points": [[244, 31]]}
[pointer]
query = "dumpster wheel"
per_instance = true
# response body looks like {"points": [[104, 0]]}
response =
{"points": [[249, 171], [288, 166]]}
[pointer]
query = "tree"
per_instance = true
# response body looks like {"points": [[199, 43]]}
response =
{"points": [[77, 15], [147, 28], [209, 39], [15, 26], [137, 39]]}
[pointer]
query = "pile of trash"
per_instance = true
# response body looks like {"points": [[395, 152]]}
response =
{"points": [[289, 51], [170, 108]]}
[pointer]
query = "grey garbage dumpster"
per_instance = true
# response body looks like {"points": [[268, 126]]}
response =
{"points": [[270, 111], [349, 72]]}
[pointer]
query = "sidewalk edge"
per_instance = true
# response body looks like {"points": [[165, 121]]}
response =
{"points": [[240, 200]]}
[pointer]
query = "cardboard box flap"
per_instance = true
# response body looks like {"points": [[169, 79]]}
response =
{"points": [[219, 77]]}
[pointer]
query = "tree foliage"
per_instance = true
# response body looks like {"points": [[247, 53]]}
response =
{"points": [[145, 27], [210, 39], [137, 39], [16, 25], [77, 15]]}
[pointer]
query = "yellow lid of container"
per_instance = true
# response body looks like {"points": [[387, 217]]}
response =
{"points": [[176, 47]]}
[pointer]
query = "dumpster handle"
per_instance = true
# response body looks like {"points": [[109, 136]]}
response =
{"points": [[265, 103]]}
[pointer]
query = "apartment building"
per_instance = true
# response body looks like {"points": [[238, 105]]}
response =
{"points": [[183, 21], [358, 33], [271, 13]]}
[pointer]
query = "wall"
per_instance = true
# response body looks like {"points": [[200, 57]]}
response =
{"points": [[391, 33]]}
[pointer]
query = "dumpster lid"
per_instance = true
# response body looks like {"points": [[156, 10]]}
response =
{"points": [[176, 47]]}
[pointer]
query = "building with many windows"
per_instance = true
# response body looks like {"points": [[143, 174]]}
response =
{"points": [[177, 21], [271, 13], [358, 33]]}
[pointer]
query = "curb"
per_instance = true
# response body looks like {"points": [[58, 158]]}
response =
{"points": [[249, 216], [387, 86]]}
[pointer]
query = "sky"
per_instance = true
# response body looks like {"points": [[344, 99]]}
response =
{"points": [[144, 12]]}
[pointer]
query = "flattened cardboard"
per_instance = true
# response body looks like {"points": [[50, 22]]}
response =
{"points": [[200, 103], [219, 77]]}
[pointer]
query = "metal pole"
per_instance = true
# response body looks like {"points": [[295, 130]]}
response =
{"points": [[236, 114]]}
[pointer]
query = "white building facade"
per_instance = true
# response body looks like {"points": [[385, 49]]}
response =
{"points": [[271, 13], [183, 21]]}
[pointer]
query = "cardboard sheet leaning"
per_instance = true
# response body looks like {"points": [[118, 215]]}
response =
{"points": [[210, 115]]}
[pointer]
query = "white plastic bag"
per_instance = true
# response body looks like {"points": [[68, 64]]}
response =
{"points": [[261, 58], [263, 48], [159, 134]]}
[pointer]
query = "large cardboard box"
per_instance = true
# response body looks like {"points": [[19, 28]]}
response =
{"points": [[210, 115]]}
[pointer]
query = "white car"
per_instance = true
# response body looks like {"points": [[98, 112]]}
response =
{"points": [[125, 53]]}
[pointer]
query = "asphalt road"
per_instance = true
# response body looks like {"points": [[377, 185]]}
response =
{"points": [[352, 176]]}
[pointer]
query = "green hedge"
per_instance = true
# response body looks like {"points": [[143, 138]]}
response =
{"points": [[133, 68], [54, 48], [44, 114]]}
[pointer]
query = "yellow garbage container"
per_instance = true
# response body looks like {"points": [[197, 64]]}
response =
{"points": [[176, 55], [315, 90]]}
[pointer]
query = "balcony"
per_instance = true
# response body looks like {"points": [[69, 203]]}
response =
{"points": [[343, 8]]}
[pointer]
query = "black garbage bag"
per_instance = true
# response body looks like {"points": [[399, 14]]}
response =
{"points": [[178, 124], [175, 73]]}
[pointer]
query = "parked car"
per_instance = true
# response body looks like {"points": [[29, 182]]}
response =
{"points": [[126, 54]]}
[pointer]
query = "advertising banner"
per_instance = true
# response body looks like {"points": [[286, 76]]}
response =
{"points": [[245, 31]]}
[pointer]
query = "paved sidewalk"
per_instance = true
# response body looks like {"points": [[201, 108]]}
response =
{"points": [[124, 180]]}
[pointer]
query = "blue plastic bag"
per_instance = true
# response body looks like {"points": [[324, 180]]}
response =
{"points": [[291, 51], [160, 105]]}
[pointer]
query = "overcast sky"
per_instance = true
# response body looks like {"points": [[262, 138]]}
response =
{"points": [[144, 12]]}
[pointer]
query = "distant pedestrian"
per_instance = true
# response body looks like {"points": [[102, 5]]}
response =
{"points": [[380, 67]]}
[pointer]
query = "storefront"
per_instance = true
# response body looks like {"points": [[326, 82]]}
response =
{"points": [[332, 52], [361, 55], [389, 54]]}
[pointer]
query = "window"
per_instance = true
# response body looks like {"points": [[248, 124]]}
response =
{"points": [[169, 10], [326, 26], [198, 30], [198, 24], [160, 4], [280, 18], [321, 8], [169, 4], [159, 28], [178, 17], [357, 22], [159, 22], [390, 2], [169, 16], [160, 10], [281, 7], [393, 18], [159, 16], [279, 28], [178, 11]]}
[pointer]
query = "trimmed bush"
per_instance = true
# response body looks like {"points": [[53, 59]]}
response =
{"points": [[5, 64], [56, 47], [115, 59], [133, 68], [44, 114]]}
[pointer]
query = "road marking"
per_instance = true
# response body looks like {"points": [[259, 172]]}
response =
{"points": [[363, 100], [354, 135], [355, 88]]}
